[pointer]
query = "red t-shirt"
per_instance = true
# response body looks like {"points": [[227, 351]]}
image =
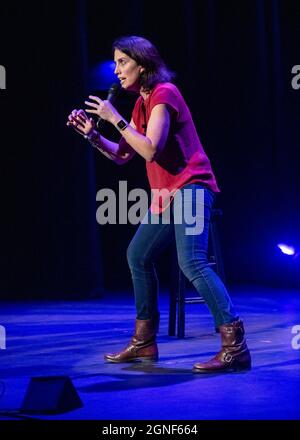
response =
{"points": [[182, 159]]}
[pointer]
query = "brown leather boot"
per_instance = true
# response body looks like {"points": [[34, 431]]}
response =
{"points": [[142, 346], [234, 355]]}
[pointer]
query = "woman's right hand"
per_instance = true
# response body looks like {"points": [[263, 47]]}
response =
{"points": [[80, 122]]}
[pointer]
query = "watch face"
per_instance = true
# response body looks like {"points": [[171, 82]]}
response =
{"points": [[122, 124]]}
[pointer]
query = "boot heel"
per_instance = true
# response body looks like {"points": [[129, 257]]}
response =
{"points": [[243, 367]]}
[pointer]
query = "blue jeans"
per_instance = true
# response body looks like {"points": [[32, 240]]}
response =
{"points": [[152, 237]]}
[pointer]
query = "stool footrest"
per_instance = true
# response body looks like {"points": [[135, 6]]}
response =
{"points": [[194, 300]]}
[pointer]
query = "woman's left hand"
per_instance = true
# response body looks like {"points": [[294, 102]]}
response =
{"points": [[104, 109]]}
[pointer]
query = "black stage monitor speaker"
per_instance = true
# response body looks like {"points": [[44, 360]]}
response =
{"points": [[50, 395]]}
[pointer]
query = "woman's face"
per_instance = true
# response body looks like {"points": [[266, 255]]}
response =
{"points": [[127, 70]]}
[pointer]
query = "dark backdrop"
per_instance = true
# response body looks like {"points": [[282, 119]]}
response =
{"points": [[233, 61]]}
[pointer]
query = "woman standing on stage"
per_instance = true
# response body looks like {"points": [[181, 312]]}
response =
{"points": [[162, 131]]}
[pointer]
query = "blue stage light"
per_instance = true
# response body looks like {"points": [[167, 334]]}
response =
{"points": [[287, 250], [101, 76]]}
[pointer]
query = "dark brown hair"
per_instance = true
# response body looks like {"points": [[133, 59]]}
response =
{"points": [[146, 55]]}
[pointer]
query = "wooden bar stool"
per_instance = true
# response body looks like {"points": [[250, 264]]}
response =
{"points": [[178, 298]]}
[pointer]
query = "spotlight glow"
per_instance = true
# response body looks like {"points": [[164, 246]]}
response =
{"points": [[101, 76], [286, 249]]}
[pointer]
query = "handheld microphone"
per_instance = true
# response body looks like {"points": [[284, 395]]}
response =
{"points": [[111, 96]]}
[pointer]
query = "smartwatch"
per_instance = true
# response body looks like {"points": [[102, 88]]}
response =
{"points": [[122, 125]]}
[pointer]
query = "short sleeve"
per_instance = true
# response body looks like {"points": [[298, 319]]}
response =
{"points": [[166, 94]]}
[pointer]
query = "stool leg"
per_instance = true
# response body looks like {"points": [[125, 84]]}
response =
{"points": [[181, 305], [173, 293], [172, 310]]}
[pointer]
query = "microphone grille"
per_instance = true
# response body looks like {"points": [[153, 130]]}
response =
{"points": [[114, 87], [113, 91]]}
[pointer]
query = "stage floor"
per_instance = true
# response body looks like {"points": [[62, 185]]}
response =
{"points": [[49, 338]]}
